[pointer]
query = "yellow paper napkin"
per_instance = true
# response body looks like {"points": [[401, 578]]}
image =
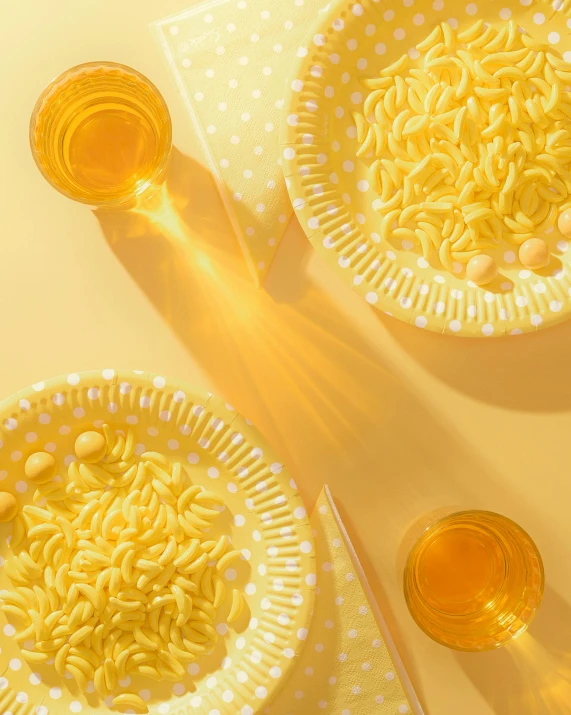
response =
{"points": [[231, 60], [350, 665]]}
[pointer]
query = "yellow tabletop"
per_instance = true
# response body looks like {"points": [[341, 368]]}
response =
{"points": [[396, 420]]}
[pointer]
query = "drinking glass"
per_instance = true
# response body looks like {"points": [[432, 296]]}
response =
{"points": [[474, 580], [101, 134]]}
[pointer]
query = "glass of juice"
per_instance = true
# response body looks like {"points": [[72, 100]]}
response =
{"points": [[474, 580], [101, 134]]}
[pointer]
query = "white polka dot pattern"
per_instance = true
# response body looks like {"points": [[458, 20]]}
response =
{"points": [[345, 667], [232, 60], [262, 512], [344, 226]]}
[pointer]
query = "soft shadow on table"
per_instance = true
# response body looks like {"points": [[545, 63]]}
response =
{"points": [[293, 362], [527, 372], [532, 675]]}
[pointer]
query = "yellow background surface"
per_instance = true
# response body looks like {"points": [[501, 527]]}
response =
{"points": [[397, 421]]}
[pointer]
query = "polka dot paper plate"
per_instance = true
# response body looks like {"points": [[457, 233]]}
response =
{"points": [[334, 201], [263, 515]]}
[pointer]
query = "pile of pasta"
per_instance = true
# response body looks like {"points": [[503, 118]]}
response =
{"points": [[471, 147], [114, 573]]}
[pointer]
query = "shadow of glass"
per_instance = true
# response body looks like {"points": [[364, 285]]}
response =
{"points": [[523, 373], [531, 675]]}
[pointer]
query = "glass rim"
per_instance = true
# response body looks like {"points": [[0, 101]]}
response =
{"points": [[46, 92], [463, 512]]}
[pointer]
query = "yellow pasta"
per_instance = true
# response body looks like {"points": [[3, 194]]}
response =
{"points": [[389, 102], [375, 82], [424, 242], [237, 606], [115, 574], [380, 139], [431, 40], [396, 67], [473, 145], [130, 701], [415, 100], [368, 143]]}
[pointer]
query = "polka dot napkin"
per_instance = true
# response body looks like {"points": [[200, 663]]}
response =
{"points": [[231, 60], [349, 665]]}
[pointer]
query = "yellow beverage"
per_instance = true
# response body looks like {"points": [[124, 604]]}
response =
{"points": [[101, 134], [474, 580]]}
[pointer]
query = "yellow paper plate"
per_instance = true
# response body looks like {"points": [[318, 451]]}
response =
{"points": [[264, 515], [329, 188]]}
